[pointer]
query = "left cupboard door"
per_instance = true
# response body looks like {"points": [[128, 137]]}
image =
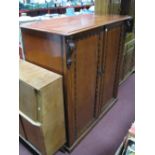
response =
{"points": [[81, 86]]}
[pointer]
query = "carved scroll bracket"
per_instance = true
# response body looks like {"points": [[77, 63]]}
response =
{"points": [[129, 25], [70, 49]]}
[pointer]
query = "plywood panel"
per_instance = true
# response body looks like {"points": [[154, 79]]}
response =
{"points": [[42, 111], [28, 101]]}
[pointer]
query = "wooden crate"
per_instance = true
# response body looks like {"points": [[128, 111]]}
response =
{"points": [[41, 108]]}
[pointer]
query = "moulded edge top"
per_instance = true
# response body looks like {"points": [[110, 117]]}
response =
{"points": [[74, 24]]}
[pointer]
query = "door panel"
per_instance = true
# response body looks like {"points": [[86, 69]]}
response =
{"points": [[110, 57], [82, 77], [86, 61]]}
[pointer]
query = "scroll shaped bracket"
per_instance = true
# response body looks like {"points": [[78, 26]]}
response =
{"points": [[70, 49], [129, 25]]}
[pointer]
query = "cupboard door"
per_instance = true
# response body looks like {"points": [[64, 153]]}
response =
{"points": [[82, 82], [110, 63]]}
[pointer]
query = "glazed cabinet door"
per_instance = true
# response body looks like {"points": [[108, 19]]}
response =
{"points": [[81, 59], [111, 55]]}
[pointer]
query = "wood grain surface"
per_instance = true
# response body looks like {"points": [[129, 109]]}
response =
{"points": [[74, 24]]}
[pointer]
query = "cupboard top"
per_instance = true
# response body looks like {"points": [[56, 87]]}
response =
{"points": [[74, 24]]}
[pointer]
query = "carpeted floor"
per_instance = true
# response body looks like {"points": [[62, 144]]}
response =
{"points": [[107, 135]]}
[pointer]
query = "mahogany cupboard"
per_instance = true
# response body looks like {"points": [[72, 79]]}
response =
{"points": [[86, 50]]}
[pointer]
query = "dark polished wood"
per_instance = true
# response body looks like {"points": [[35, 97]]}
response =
{"points": [[45, 50], [85, 65], [86, 50], [110, 57]]}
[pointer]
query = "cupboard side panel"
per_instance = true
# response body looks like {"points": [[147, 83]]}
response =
{"points": [[43, 49], [69, 105]]}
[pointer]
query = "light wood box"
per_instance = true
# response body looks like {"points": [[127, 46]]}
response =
{"points": [[41, 108]]}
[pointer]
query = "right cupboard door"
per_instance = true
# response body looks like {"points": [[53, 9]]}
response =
{"points": [[110, 64]]}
